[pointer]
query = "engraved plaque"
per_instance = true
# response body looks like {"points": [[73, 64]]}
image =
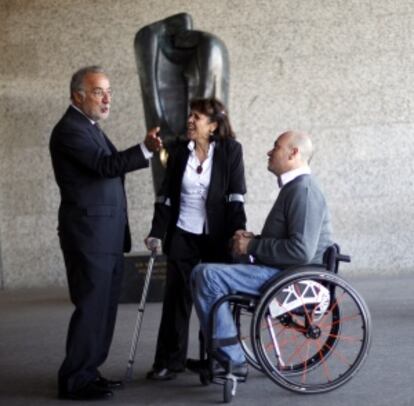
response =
{"points": [[135, 270]]}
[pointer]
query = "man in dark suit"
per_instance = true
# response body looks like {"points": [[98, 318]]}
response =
{"points": [[93, 228]]}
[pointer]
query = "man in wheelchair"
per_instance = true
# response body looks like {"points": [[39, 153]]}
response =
{"points": [[296, 232]]}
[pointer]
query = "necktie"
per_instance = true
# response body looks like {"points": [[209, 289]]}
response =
{"points": [[99, 130], [102, 135]]}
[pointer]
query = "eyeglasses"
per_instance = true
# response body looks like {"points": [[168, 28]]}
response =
{"points": [[98, 92]]}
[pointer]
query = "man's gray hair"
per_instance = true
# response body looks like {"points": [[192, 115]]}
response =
{"points": [[304, 143], [76, 84]]}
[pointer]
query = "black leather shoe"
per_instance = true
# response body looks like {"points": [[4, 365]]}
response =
{"points": [[239, 371], [198, 366], [163, 374], [87, 392], [107, 383]]}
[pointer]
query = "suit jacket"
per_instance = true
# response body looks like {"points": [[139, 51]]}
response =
{"points": [[90, 174], [224, 214]]}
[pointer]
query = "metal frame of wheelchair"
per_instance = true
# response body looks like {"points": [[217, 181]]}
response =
{"points": [[309, 331]]}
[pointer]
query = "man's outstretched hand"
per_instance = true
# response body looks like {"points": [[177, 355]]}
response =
{"points": [[152, 141]]}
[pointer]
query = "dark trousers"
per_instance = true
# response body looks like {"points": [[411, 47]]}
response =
{"points": [[186, 251], [94, 286]]}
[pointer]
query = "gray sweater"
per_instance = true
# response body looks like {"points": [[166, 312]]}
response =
{"points": [[298, 228]]}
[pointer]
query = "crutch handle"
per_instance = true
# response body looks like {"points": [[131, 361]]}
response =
{"points": [[153, 243]]}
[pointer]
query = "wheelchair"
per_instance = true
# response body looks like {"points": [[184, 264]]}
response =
{"points": [[309, 331]]}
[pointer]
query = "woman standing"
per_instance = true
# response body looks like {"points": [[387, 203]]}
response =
{"points": [[198, 209]]}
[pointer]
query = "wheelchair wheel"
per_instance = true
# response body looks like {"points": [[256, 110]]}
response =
{"points": [[229, 390], [243, 321], [311, 331]]}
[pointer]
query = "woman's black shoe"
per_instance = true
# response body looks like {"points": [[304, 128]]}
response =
{"points": [[163, 374]]}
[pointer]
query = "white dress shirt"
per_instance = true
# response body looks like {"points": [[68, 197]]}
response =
{"points": [[287, 177], [194, 190]]}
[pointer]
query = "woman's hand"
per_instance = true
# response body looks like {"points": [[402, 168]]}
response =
{"points": [[153, 244]]}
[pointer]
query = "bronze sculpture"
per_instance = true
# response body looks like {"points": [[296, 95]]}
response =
{"points": [[175, 65]]}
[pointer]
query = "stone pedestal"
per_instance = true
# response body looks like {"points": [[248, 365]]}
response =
{"points": [[135, 270]]}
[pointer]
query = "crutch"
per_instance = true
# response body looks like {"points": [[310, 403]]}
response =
{"points": [[154, 245]]}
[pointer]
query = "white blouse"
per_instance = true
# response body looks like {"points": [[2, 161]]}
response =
{"points": [[194, 190]]}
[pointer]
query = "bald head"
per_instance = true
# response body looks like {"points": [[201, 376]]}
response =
{"points": [[292, 150], [302, 142]]}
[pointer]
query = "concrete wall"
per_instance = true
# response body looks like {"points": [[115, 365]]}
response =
{"points": [[341, 70]]}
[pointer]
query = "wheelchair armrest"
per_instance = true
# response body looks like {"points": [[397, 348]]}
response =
{"points": [[332, 257]]}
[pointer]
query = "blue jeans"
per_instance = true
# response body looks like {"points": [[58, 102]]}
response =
{"points": [[209, 282]]}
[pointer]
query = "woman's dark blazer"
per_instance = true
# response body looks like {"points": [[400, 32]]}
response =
{"points": [[225, 212]]}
